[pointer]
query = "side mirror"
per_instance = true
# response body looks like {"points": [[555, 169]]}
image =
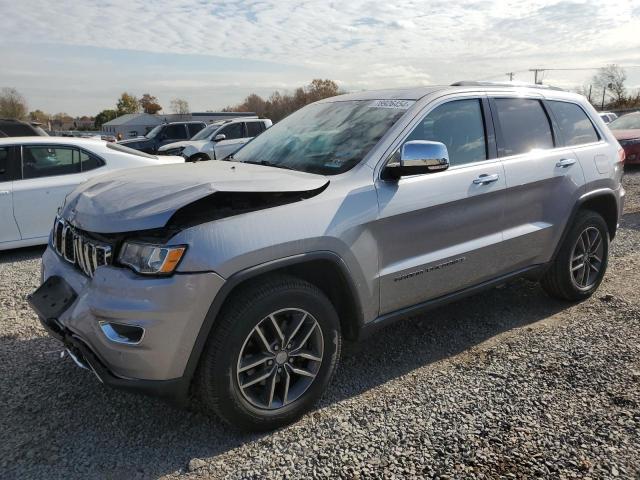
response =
{"points": [[219, 137], [418, 157]]}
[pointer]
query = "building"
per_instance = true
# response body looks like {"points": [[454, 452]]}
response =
{"points": [[137, 124]]}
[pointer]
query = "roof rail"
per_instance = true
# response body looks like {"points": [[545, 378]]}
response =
{"points": [[470, 83]]}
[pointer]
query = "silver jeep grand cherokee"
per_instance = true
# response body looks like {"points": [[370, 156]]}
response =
{"points": [[237, 281]]}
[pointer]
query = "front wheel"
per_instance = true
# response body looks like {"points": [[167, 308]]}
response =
{"points": [[582, 260], [271, 354]]}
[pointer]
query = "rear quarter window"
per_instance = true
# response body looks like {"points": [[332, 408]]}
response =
{"points": [[574, 124], [524, 125]]}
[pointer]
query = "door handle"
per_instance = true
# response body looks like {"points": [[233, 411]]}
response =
{"points": [[484, 179], [565, 162]]}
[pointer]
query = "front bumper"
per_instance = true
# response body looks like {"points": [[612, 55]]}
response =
{"points": [[171, 310]]}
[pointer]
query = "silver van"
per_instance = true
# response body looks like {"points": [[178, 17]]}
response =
{"points": [[238, 281]]}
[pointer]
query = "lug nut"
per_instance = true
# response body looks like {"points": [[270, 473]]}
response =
{"points": [[270, 362], [279, 369], [275, 347]]}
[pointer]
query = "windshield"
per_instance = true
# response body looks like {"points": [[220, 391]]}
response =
{"points": [[324, 138], [154, 131], [626, 122], [206, 132]]}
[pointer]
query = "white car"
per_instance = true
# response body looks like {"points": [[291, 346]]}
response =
{"points": [[217, 140], [608, 117], [37, 173]]}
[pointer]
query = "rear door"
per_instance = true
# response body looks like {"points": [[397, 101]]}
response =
{"points": [[543, 179], [8, 170], [235, 134], [439, 233], [49, 173]]}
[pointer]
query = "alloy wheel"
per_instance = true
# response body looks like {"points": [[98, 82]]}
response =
{"points": [[586, 258], [280, 358]]}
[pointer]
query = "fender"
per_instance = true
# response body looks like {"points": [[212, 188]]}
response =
{"points": [[591, 195], [252, 272]]}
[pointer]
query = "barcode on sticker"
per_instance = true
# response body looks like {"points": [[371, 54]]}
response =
{"points": [[399, 104]]}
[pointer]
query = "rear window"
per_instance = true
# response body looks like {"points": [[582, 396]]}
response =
{"points": [[524, 124], [575, 127], [254, 128], [130, 151]]}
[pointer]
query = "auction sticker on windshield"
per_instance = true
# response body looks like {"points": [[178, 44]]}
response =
{"points": [[398, 104]]}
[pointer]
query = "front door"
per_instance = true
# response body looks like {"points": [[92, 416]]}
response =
{"points": [[440, 232], [235, 138]]}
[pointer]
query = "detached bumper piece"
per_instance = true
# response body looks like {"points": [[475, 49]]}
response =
{"points": [[52, 299]]}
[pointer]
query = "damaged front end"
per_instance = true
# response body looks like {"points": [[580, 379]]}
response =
{"points": [[132, 215]]}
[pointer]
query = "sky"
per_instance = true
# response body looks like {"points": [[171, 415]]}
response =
{"points": [[78, 56]]}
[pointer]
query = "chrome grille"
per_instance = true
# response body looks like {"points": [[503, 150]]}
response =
{"points": [[77, 248]]}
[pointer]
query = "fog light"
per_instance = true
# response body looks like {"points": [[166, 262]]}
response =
{"points": [[121, 333]]}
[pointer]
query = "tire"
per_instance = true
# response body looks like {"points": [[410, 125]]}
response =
{"points": [[558, 281], [234, 343]]}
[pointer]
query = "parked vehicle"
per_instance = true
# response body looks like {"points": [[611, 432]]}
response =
{"points": [[627, 130], [16, 128], [218, 140], [238, 281], [608, 117], [163, 134], [36, 174]]}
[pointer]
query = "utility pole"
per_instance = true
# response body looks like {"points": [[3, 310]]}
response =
{"points": [[590, 93], [510, 75], [604, 90], [535, 74]]}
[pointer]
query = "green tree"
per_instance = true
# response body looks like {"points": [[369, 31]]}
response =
{"points": [[150, 104], [127, 104], [12, 104], [105, 116]]}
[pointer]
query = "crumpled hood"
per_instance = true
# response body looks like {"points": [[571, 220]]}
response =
{"points": [[626, 134], [146, 198]]}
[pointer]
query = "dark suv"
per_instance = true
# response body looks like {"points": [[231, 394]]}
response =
{"points": [[16, 128], [163, 134]]}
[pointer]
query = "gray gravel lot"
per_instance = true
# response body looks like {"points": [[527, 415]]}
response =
{"points": [[505, 384]]}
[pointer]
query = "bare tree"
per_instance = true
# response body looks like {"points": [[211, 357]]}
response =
{"points": [[12, 104], [180, 106], [612, 78]]}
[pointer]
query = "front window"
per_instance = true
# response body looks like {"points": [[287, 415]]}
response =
{"points": [[154, 131], [627, 122], [207, 132], [325, 138]]}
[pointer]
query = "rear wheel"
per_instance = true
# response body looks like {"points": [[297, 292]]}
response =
{"points": [[271, 354], [582, 260]]}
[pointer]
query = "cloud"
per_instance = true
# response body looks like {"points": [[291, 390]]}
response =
{"points": [[362, 43]]}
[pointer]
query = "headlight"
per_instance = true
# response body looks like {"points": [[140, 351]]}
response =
{"points": [[149, 259]]}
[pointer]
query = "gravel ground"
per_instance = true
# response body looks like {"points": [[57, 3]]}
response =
{"points": [[508, 384]]}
